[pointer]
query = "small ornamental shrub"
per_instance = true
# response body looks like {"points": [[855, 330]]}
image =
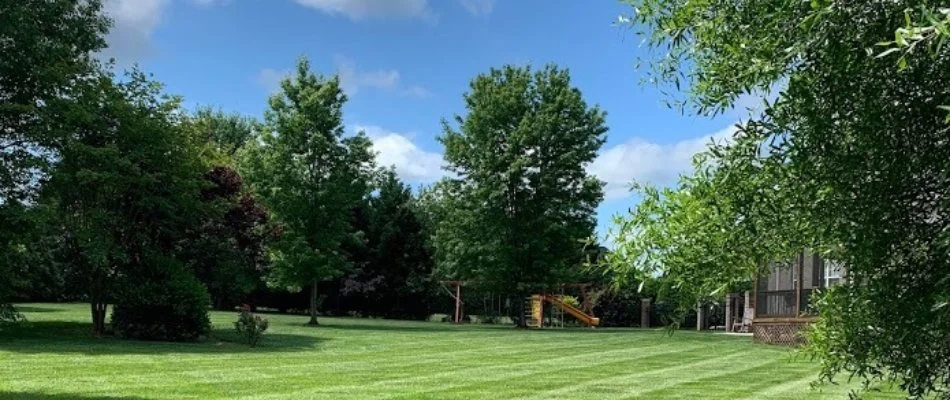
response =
{"points": [[167, 305], [249, 326], [9, 314]]}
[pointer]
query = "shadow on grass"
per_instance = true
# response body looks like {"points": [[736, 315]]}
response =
{"points": [[30, 309], [44, 396], [394, 326], [76, 337]]}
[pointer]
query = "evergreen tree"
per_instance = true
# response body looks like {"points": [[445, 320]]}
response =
{"points": [[394, 277]]}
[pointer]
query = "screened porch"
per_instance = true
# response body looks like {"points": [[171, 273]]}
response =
{"points": [[785, 291]]}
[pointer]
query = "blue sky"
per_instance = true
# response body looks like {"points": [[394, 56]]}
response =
{"points": [[405, 65]]}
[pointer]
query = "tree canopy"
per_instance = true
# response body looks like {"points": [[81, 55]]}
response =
{"points": [[850, 160], [127, 185], [521, 204], [310, 174]]}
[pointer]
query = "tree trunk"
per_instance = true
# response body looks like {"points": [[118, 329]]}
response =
{"points": [[522, 317], [313, 304], [98, 309]]}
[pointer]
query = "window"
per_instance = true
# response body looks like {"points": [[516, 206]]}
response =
{"points": [[834, 271]]}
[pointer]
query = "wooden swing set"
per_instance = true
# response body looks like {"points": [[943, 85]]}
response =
{"points": [[534, 312]]}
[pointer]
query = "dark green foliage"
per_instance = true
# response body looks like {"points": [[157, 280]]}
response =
{"points": [[618, 309], [392, 266], [35, 257], [161, 300], [9, 314], [127, 186], [516, 217], [13, 254], [47, 45], [227, 250]]}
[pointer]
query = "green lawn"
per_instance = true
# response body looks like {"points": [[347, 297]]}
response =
{"points": [[54, 357]]}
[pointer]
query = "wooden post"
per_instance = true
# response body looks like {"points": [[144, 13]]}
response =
{"points": [[748, 312], [645, 312], [729, 305], [541, 314], [587, 307], [798, 283], [699, 316]]}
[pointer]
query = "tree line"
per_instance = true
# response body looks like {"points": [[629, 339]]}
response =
{"points": [[114, 194]]}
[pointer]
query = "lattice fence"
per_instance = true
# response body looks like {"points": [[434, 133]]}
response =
{"points": [[779, 333]]}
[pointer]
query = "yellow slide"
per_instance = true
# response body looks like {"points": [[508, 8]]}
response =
{"points": [[574, 311]]}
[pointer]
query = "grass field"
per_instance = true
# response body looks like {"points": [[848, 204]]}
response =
{"points": [[53, 357]]}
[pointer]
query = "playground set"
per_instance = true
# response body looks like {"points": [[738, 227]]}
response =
{"points": [[536, 304]]}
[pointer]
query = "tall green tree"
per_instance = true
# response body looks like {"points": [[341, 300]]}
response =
{"points": [[522, 203], [45, 49], [310, 175], [854, 151], [127, 186], [393, 278]]}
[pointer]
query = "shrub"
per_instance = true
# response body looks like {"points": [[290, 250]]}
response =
{"points": [[9, 314], [620, 309], [171, 305], [249, 326], [439, 318]]}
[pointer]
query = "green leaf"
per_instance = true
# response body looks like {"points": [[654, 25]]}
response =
{"points": [[887, 52], [902, 63]]}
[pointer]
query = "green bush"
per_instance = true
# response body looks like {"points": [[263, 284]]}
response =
{"points": [[171, 305], [439, 318], [249, 326], [8, 314]]}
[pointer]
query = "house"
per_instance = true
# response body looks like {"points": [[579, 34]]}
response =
{"points": [[781, 297]]}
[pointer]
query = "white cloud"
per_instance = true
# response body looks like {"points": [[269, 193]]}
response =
{"points": [[646, 162], [133, 24], [352, 79], [478, 7], [394, 149], [270, 78], [417, 92], [363, 9], [134, 21]]}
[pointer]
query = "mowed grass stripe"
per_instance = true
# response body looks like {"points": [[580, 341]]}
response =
{"points": [[377, 359], [678, 377], [470, 368], [369, 371], [353, 358], [663, 367], [526, 372]]}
